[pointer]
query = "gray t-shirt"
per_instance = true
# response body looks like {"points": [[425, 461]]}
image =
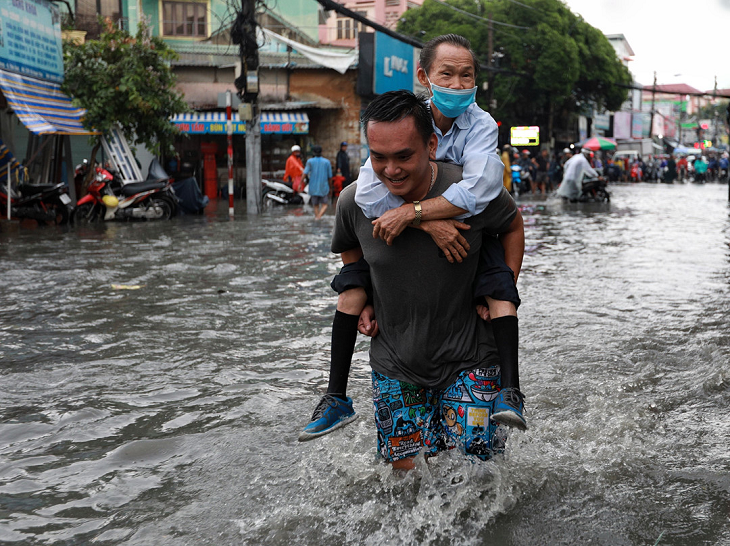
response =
{"points": [[429, 329]]}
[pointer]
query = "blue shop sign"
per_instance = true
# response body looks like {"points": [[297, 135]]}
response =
{"points": [[30, 39], [215, 123], [394, 68]]}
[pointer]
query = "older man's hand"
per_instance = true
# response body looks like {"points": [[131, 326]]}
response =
{"points": [[446, 235], [393, 222], [367, 324]]}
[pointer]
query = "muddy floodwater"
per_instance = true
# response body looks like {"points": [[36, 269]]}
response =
{"points": [[154, 377]]}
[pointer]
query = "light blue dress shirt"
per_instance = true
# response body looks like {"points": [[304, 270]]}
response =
{"points": [[472, 143]]}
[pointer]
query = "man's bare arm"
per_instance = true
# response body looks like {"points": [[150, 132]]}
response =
{"points": [[350, 256]]}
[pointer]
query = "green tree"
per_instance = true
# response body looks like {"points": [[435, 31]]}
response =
{"points": [[556, 63], [125, 80]]}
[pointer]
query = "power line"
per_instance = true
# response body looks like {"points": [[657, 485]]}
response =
{"points": [[339, 8], [523, 5], [665, 92], [480, 18]]}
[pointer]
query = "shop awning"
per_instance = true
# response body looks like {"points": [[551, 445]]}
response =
{"points": [[41, 106], [214, 123], [284, 122]]}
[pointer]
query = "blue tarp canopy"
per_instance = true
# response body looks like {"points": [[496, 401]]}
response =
{"points": [[41, 106]]}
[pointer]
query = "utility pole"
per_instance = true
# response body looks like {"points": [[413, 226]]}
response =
{"points": [[229, 132], [681, 117], [715, 141], [653, 103], [490, 61], [243, 33]]}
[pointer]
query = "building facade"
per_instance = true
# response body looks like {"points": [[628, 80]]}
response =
{"points": [[340, 30], [301, 101]]}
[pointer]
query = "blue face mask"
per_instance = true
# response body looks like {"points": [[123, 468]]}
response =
{"points": [[452, 102]]}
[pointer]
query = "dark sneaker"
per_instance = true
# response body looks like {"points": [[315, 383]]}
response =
{"points": [[508, 408], [330, 414]]}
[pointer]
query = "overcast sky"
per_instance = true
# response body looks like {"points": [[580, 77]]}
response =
{"points": [[689, 38]]}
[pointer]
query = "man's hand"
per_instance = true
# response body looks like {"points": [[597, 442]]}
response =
{"points": [[367, 324], [483, 311], [445, 233], [393, 222]]}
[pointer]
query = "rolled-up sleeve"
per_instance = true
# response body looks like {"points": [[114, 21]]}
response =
{"points": [[483, 169]]}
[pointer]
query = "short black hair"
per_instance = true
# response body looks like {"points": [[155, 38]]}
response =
{"points": [[317, 150], [428, 53], [395, 106]]}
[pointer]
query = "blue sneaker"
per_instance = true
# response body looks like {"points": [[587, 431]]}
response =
{"points": [[330, 414], [508, 408]]}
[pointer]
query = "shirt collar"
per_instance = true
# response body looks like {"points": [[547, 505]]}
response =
{"points": [[463, 121], [465, 118]]}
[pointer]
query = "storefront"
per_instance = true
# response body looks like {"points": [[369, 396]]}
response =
{"points": [[31, 72], [206, 143]]}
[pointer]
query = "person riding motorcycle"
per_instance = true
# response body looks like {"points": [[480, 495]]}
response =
{"points": [[575, 168]]}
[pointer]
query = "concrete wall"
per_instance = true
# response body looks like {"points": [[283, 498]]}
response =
{"points": [[273, 84], [329, 127]]}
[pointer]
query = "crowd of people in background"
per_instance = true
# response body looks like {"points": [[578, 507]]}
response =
{"points": [[539, 172]]}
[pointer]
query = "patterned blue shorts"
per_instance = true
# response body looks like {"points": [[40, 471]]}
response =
{"points": [[409, 419]]}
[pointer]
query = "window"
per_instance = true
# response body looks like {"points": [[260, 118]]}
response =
{"points": [[348, 28], [184, 19], [343, 28]]}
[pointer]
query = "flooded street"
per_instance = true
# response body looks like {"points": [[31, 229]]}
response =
{"points": [[154, 378]]}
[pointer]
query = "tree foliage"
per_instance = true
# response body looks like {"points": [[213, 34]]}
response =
{"points": [[559, 64], [126, 80]]}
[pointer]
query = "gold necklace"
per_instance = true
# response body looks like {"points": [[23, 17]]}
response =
{"points": [[433, 177]]}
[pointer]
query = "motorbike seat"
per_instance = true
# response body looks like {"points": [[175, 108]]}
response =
{"points": [[134, 188], [592, 183], [31, 189]]}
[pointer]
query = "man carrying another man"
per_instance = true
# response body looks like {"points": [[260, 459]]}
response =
{"points": [[435, 368]]}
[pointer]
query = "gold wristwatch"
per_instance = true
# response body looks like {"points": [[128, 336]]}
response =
{"points": [[417, 219]]}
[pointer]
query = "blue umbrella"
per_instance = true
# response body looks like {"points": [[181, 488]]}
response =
{"points": [[683, 150]]}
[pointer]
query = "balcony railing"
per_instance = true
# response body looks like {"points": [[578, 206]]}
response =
{"points": [[90, 23]]}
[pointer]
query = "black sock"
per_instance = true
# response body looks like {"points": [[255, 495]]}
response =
{"points": [[506, 336], [344, 335]]}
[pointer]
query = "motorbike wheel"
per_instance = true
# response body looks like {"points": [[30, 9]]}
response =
{"points": [[602, 196], [63, 214], [85, 214], [266, 203], [164, 207], [173, 200]]}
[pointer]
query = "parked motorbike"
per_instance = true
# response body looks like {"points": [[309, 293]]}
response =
{"points": [[275, 193], [44, 203], [80, 172], [109, 199]]}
